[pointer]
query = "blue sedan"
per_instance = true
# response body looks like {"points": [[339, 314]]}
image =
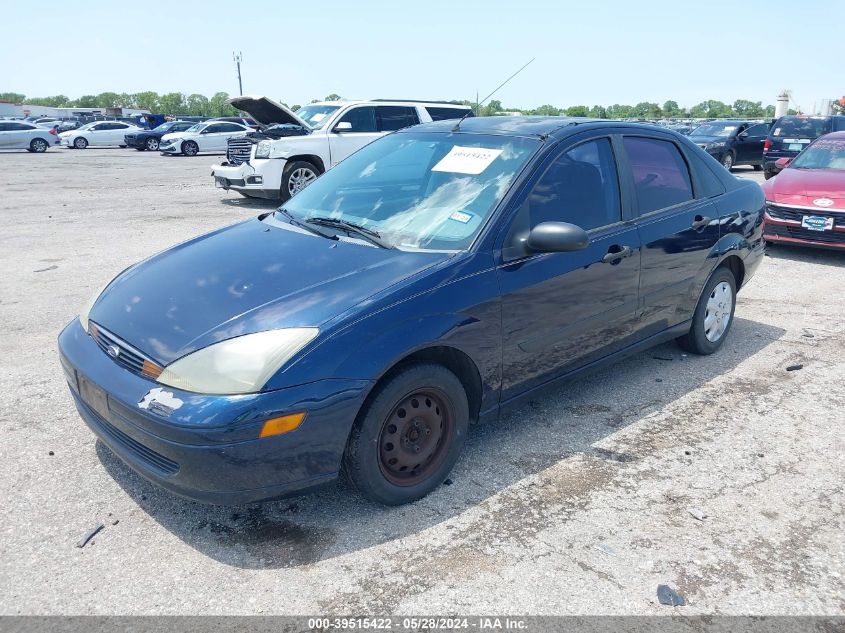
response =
{"points": [[434, 277]]}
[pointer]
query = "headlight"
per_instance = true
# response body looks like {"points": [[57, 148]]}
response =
{"points": [[262, 150], [86, 309], [237, 365]]}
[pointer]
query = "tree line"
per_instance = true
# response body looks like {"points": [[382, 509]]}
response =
{"points": [[175, 103]]}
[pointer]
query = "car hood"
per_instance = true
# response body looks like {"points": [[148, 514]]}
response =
{"points": [[246, 278], [707, 139], [805, 186], [175, 135], [266, 111]]}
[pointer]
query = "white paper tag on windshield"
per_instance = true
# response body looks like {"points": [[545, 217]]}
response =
{"points": [[467, 160]]}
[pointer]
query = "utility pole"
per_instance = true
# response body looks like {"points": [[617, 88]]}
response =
{"points": [[238, 57]]}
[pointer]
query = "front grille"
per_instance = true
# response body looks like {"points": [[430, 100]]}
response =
{"points": [[826, 237], [779, 212], [124, 354], [238, 150], [152, 459]]}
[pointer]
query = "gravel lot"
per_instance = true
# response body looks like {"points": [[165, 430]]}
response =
{"points": [[576, 503]]}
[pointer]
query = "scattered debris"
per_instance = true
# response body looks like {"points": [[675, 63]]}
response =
{"points": [[448, 482], [44, 270], [808, 335], [51, 453], [115, 521], [795, 367], [89, 535], [669, 597], [658, 380], [760, 455], [605, 549], [697, 514], [687, 452]]}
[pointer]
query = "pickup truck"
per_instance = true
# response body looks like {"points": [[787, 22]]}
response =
{"points": [[291, 149]]}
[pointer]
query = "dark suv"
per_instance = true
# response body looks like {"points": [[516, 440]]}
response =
{"points": [[790, 134], [732, 142]]}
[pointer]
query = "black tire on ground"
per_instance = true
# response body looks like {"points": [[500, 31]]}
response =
{"points": [[728, 161], [38, 146], [151, 144], [190, 148], [123, 146], [767, 174], [420, 414], [294, 178], [758, 167], [140, 149], [708, 329], [80, 142]]}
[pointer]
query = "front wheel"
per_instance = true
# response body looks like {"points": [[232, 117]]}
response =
{"points": [[768, 174], [80, 142], [728, 161], [713, 315], [409, 436], [190, 148], [296, 176], [38, 146], [152, 144]]}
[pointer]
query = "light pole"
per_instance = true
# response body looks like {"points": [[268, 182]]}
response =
{"points": [[238, 57]]}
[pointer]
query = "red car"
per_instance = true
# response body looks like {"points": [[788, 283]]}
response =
{"points": [[805, 202]]}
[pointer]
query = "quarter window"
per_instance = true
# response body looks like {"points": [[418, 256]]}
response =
{"points": [[661, 176], [442, 114], [362, 119], [392, 118], [581, 187]]}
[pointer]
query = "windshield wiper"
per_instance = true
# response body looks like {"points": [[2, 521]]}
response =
{"points": [[304, 225], [369, 234]]}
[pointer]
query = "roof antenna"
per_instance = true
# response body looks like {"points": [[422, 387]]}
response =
{"points": [[478, 104]]}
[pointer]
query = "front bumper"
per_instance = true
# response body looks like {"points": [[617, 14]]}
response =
{"points": [[175, 148], [207, 448], [261, 178], [791, 232], [135, 142]]}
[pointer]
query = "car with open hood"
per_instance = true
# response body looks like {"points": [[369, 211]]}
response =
{"points": [[433, 278], [292, 149], [205, 137], [805, 202]]}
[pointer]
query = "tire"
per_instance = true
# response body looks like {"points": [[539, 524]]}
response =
{"points": [[758, 168], [727, 161], [80, 142], [123, 146], [139, 149], [296, 176], [386, 440], [38, 146], [190, 148], [705, 338], [767, 174], [151, 144]]}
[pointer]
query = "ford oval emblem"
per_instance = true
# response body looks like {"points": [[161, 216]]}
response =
{"points": [[113, 351], [823, 202]]}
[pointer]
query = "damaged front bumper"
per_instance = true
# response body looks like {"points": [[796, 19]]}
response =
{"points": [[207, 447], [259, 178]]}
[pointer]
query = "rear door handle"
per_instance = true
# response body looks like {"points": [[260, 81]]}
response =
{"points": [[616, 253], [700, 221]]}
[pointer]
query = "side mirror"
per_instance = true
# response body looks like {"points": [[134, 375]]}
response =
{"points": [[743, 135], [557, 237], [343, 126], [780, 163]]}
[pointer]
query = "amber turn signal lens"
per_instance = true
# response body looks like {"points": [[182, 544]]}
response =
{"points": [[284, 424], [151, 370]]}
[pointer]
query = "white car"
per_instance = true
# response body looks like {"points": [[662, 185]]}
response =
{"points": [[208, 136], [98, 133], [293, 149], [28, 136]]}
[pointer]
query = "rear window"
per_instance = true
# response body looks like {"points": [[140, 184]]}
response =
{"points": [[391, 118], [801, 127], [441, 114]]}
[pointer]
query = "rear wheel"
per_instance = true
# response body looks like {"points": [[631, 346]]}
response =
{"points": [[296, 176], [767, 174], [152, 144], [38, 146], [80, 142], [409, 436], [713, 315], [190, 148]]}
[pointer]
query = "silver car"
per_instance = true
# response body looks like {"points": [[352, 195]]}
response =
{"points": [[28, 136]]}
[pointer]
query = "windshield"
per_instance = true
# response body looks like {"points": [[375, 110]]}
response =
{"points": [[801, 127], [316, 115], [164, 126], [419, 191], [196, 128], [823, 154], [715, 129]]}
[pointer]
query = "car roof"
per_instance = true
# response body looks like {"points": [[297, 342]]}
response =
{"points": [[834, 136], [397, 102], [532, 126]]}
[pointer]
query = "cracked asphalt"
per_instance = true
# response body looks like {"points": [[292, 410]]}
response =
{"points": [[581, 501]]}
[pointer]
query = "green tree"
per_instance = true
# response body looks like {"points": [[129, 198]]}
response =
{"points": [[108, 100], [14, 97], [617, 111], [598, 112], [85, 101], [646, 110], [671, 109], [769, 112], [198, 105], [578, 110], [546, 110], [295, 107], [172, 103], [57, 101], [147, 100], [333, 97], [745, 108]]}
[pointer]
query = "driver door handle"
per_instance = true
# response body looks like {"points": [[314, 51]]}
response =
{"points": [[616, 254], [700, 221]]}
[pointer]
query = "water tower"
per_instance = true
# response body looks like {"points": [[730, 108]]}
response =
{"points": [[782, 106]]}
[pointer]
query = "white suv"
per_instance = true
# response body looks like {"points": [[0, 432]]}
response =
{"points": [[293, 149]]}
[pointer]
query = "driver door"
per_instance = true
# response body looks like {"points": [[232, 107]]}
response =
{"points": [[561, 311]]}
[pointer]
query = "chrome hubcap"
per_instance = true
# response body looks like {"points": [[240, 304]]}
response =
{"points": [[728, 161], [717, 314], [300, 179]]}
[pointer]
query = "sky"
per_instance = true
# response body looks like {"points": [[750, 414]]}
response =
{"points": [[587, 53]]}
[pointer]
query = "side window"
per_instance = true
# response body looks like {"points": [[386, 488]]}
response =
{"points": [[661, 176], [363, 119], [5, 127], [229, 127], [580, 187], [758, 131], [392, 118], [119, 126], [708, 184], [442, 114], [94, 128], [214, 128]]}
